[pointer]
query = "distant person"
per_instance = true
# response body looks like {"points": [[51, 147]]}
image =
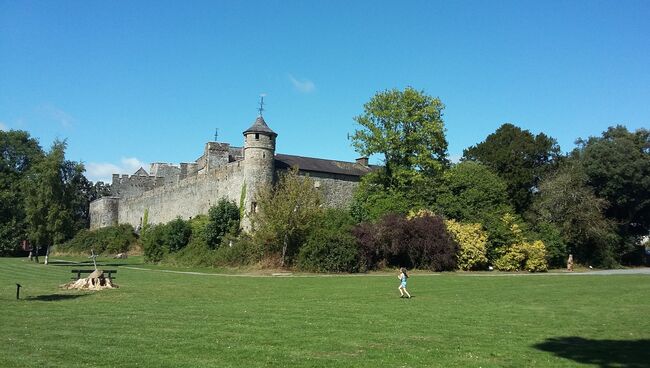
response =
{"points": [[402, 286], [569, 263], [33, 253]]}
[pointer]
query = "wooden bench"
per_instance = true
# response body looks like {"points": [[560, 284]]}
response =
{"points": [[108, 273]]}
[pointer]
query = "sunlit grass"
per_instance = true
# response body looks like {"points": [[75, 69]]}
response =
{"points": [[159, 319]]}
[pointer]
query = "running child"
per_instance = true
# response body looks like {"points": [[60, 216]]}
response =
{"points": [[402, 286]]}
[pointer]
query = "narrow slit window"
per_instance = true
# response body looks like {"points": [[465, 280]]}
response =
{"points": [[257, 136]]}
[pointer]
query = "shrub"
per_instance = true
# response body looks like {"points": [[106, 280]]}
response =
{"points": [[421, 242], [529, 256], [431, 245], [556, 247], [177, 234], [331, 246], [366, 237], [502, 233], [472, 241], [153, 242], [107, 240], [198, 225], [237, 251], [194, 254], [512, 259], [535, 257], [222, 219]]}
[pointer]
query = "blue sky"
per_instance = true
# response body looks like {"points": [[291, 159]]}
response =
{"points": [[128, 83]]}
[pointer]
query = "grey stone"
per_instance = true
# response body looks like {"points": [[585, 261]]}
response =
{"points": [[189, 189]]}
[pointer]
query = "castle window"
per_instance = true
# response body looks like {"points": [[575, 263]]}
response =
{"points": [[253, 207], [257, 136]]}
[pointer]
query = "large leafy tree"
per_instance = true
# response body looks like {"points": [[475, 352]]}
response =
{"points": [[406, 128], [80, 192], [52, 203], [566, 201], [23, 168], [617, 166], [519, 157], [471, 192], [18, 153], [287, 212]]}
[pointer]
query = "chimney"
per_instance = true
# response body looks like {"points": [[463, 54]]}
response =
{"points": [[362, 161]]}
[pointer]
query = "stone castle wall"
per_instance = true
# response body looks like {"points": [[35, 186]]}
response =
{"points": [[187, 198], [195, 195], [190, 189], [133, 186], [104, 212], [337, 190]]}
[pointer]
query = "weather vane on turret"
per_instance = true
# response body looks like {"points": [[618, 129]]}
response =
{"points": [[216, 133], [261, 108]]}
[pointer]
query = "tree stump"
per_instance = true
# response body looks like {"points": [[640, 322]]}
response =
{"points": [[94, 281]]}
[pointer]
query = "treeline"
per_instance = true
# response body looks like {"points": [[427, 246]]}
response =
{"points": [[513, 202], [43, 197]]}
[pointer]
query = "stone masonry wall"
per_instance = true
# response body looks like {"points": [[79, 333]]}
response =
{"points": [[337, 190], [104, 212], [188, 198]]}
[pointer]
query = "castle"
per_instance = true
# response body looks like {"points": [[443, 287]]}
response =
{"points": [[235, 173]]}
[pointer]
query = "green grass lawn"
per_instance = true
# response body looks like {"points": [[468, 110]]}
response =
{"points": [[162, 319]]}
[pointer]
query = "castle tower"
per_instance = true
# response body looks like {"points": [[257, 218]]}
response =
{"points": [[259, 163]]}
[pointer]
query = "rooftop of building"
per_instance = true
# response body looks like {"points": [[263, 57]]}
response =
{"points": [[322, 165], [260, 126]]}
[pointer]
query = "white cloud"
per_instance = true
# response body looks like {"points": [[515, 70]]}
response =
{"points": [[304, 85], [104, 171], [3, 126], [54, 113]]}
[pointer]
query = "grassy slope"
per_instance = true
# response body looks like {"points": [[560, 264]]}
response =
{"points": [[160, 319]]}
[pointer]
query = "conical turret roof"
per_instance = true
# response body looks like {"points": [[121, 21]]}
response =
{"points": [[259, 126]]}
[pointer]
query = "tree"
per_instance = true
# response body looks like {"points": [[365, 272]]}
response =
{"points": [[222, 219], [617, 166], [567, 202], [330, 247], [472, 192], [47, 204], [18, 153], [519, 158], [405, 127], [177, 235], [372, 201], [286, 213], [79, 192]]}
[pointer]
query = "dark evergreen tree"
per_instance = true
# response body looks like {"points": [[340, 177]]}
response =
{"points": [[519, 157]]}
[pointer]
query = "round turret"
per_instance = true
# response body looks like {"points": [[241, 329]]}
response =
{"points": [[259, 162]]}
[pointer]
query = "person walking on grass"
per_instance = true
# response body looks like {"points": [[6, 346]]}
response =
{"points": [[402, 286]]}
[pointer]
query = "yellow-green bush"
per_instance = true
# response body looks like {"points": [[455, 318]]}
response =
{"points": [[419, 213], [536, 257], [529, 256], [472, 240], [512, 259]]}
